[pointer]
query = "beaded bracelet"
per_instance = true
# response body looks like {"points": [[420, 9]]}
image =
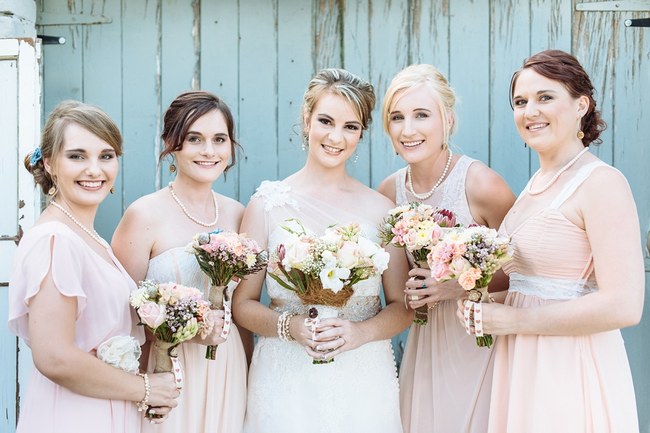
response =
{"points": [[143, 404], [282, 327]]}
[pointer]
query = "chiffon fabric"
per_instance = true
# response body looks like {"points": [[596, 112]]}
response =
{"points": [[578, 384], [102, 291], [213, 399], [358, 392], [445, 378]]}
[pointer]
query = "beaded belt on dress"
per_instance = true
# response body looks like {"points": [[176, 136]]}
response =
{"points": [[357, 308], [550, 288]]}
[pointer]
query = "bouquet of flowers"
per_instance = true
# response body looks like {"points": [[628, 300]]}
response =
{"points": [[323, 270], [174, 314], [471, 255], [417, 228], [225, 257]]}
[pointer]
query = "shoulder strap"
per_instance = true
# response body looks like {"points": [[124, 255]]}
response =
{"points": [[574, 183], [400, 189]]}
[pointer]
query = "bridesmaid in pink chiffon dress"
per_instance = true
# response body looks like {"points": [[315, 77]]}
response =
{"points": [[575, 278], [445, 379], [68, 294], [198, 133]]}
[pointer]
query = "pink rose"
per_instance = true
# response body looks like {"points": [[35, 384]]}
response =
{"points": [[152, 314], [467, 279], [440, 271]]}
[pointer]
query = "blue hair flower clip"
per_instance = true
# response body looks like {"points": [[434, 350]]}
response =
{"points": [[36, 156]]}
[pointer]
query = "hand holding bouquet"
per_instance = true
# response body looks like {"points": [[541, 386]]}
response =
{"points": [[417, 228], [225, 257], [323, 270], [174, 314], [471, 255]]}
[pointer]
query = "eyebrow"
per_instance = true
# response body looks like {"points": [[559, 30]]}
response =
{"points": [[539, 92], [84, 150], [218, 134], [356, 122]]}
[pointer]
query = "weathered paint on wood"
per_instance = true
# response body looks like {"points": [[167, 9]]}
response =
{"points": [[259, 56]]}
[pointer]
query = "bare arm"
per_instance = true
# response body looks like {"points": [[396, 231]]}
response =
{"points": [[488, 195], [606, 207], [387, 188], [52, 332], [133, 241]]}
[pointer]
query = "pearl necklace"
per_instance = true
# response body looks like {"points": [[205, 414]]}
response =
{"points": [[186, 212], [92, 233], [426, 195], [555, 176]]}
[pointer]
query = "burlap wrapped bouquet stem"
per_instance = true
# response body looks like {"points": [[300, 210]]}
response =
{"points": [[422, 312], [316, 294], [163, 352], [216, 296]]}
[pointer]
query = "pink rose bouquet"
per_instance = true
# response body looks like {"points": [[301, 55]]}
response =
{"points": [[225, 257], [174, 314], [417, 228], [471, 255]]}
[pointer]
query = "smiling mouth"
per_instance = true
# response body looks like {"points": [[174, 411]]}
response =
{"points": [[332, 150], [206, 163], [91, 184], [536, 127], [408, 144]]}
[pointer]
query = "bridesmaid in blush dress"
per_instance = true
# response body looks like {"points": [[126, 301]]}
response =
{"points": [[577, 274], [150, 240], [68, 294], [445, 379]]}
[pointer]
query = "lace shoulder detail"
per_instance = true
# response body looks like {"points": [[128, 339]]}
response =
{"points": [[275, 194]]}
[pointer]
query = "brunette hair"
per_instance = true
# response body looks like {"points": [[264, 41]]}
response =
{"points": [[563, 67], [431, 77], [359, 93], [89, 117], [186, 109]]}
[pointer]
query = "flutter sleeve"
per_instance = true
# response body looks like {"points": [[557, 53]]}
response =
{"points": [[37, 255]]}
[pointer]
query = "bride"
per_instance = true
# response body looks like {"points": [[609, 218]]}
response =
{"points": [[359, 391]]}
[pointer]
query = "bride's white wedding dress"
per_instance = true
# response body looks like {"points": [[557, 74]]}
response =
{"points": [[358, 392]]}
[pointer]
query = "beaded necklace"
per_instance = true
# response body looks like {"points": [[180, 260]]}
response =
{"points": [[426, 195], [187, 213], [555, 176], [92, 233]]}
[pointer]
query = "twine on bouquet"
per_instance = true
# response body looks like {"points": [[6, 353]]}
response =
{"points": [[315, 294]]}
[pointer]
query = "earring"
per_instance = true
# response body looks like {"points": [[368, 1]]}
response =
{"points": [[52, 191], [303, 146], [580, 135], [355, 158], [112, 190], [172, 167]]}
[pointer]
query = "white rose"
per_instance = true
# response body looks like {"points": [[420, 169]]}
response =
{"points": [[121, 351]]}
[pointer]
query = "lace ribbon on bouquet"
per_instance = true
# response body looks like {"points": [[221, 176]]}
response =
{"points": [[473, 316]]}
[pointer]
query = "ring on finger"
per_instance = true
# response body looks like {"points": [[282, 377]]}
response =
{"points": [[415, 298], [424, 285]]}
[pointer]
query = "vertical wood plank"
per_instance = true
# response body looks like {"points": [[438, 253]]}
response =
{"points": [[258, 75], [178, 60], [220, 72], [356, 59], [429, 34], [140, 97], [630, 128], [102, 86], [388, 55], [328, 49], [469, 75], [294, 71], [509, 46]]}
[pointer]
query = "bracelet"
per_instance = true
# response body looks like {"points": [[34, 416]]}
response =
{"points": [[282, 327], [143, 404]]}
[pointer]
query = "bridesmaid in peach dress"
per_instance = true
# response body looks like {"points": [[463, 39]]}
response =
{"points": [[68, 294], [445, 379], [577, 274], [151, 238]]}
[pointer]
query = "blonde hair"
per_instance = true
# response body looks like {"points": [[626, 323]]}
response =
{"points": [[359, 93], [431, 77]]}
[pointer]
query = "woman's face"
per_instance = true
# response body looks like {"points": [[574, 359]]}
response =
{"points": [[206, 149], [86, 168], [545, 113], [333, 130], [415, 124]]}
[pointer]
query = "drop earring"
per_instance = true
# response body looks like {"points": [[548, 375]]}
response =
{"points": [[580, 135], [355, 158], [172, 167], [53, 190], [112, 190]]}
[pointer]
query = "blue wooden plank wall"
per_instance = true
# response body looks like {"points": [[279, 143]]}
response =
{"points": [[259, 55]]}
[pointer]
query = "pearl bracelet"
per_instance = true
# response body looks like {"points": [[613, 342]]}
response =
{"points": [[143, 404], [282, 327]]}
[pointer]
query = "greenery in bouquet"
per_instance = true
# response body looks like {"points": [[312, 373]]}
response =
{"points": [[323, 270], [224, 255], [172, 312]]}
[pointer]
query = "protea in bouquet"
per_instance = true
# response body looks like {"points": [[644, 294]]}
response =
{"points": [[174, 314], [225, 257], [471, 255], [417, 228], [322, 270]]}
